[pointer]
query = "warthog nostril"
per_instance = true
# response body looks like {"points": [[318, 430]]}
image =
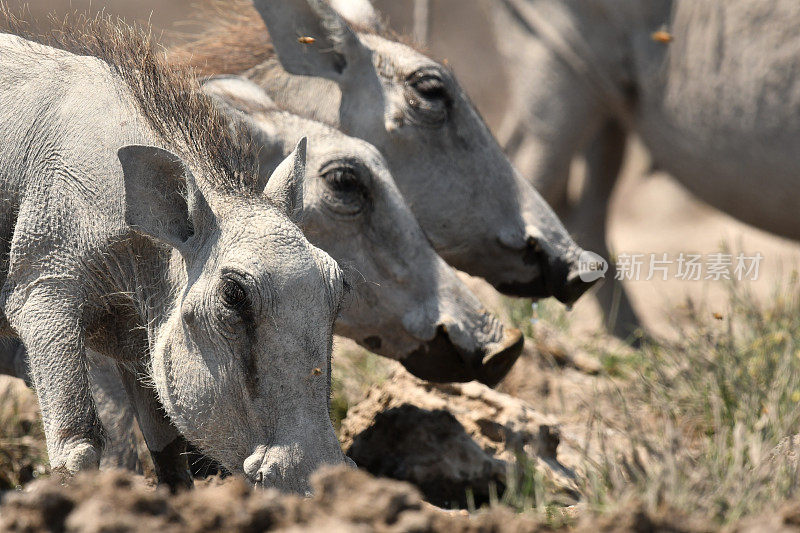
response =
{"points": [[533, 244], [534, 254], [373, 342], [270, 475], [252, 465]]}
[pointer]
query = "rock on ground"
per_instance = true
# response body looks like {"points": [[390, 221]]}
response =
{"points": [[448, 439]]}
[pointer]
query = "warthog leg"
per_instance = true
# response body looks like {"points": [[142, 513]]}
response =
{"points": [[49, 323], [167, 447], [588, 220]]}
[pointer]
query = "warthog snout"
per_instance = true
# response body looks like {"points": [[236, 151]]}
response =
{"points": [[288, 467], [560, 275], [442, 360]]}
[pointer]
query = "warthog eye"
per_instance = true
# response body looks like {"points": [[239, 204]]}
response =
{"points": [[427, 96], [429, 85], [233, 294], [345, 193]]}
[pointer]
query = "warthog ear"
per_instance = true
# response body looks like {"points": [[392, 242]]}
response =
{"points": [[359, 13], [161, 197], [311, 38], [285, 186]]}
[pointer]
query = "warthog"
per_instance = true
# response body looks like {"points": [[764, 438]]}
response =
{"points": [[410, 305], [478, 213], [707, 86], [134, 227]]}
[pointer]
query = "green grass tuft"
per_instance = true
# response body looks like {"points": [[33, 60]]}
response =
{"points": [[520, 314], [23, 455], [354, 371]]}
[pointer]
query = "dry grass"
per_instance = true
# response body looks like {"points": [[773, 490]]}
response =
{"points": [[22, 451], [712, 415], [708, 422]]}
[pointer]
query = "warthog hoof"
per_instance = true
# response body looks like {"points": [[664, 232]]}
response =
{"points": [[77, 457], [172, 467]]}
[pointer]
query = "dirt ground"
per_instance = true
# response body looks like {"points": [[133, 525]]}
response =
{"points": [[344, 501]]}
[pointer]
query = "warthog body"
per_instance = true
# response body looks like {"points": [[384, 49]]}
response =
{"points": [[716, 107], [133, 226], [479, 215]]}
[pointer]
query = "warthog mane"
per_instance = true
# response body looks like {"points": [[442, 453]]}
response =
{"points": [[169, 95]]}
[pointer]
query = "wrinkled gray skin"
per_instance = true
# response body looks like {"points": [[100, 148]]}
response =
{"points": [[478, 213], [113, 244], [716, 108], [407, 303], [111, 401]]}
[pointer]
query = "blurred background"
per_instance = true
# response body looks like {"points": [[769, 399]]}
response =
{"points": [[650, 212]]}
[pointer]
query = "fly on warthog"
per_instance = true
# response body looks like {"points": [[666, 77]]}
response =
{"points": [[714, 101]]}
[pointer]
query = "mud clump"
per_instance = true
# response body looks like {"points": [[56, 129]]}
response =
{"points": [[451, 439], [344, 500]]}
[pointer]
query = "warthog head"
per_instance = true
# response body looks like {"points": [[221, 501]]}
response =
{"points": [[407, 303], [480, 215], [241, 362]]}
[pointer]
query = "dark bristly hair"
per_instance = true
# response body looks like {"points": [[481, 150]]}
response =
{"points": [[168, 95]]}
